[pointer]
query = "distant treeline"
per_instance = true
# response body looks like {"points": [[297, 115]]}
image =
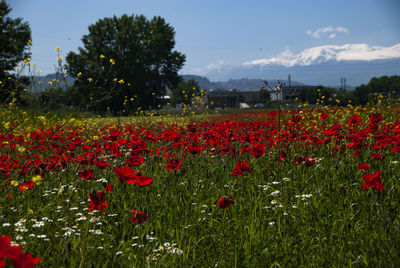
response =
{"points": [[389, 87], [384, 85]]}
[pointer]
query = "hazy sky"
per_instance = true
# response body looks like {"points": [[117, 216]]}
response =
{"points": [[214, 33]]}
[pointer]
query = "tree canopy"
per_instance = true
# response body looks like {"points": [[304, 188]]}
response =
{"points": [[126, 62], [15, 38], [383, 84], [184, 92]]}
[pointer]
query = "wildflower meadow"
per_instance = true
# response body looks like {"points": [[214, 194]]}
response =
{"points": [[299, 187]]}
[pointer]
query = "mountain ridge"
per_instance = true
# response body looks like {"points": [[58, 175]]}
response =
{"points": [[239, 84], [338, 53]]}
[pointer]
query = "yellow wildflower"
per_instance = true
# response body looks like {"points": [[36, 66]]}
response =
{"points": [[37, 179]]}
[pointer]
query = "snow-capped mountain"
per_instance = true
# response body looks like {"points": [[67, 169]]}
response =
{"points": [[320, 54], [322, 65]]}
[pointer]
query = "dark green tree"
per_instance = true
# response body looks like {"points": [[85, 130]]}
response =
{"points": [[235, 93], [15, 37], [383, 84], [264, 95], [126, 62], [184, 92]]}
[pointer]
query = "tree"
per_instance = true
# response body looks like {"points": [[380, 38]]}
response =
{"points": [[235, 93], [383, 84], [15, 38], [184, 92], [264, 95], [127, 61], [261, 96]]}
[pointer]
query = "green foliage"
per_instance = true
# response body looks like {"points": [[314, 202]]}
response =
{"points": [[235, 93], [184, 92], [125, 56], [261, 96], [15, 38], [52, 98], [311, 94], [383, 84]]}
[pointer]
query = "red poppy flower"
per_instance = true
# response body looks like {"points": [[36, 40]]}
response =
{"points": [[138, 217], [323, 117], [26, 186], [241, 166], [114, 134], [377, 156], [122, 141], [282, 155], [225, 201], [373, 181], [354, 120], [97, 201], [24, 260], [14, 253], [173, 164], [108, 187], [102, 164], [363, 166], [87, 174], [135, 160], [332, 130], [237, 172], [4, 245], [125, 174], [375, 119], [143, 181], [194, 149], [258, 150], [395, 149]]}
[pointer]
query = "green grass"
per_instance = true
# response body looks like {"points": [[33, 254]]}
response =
{"points": [[335, 224], [285, 215]]}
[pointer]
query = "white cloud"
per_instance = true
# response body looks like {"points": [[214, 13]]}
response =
{"points": [[329, 30], [217, 65], [315, 55]]}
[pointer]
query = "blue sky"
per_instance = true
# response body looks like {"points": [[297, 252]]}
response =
{"points": [[219, 33]]}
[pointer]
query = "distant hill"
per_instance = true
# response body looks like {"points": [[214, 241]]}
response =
{"points": [[204, 83], [321, 65], [239, 84], [53, 79]]}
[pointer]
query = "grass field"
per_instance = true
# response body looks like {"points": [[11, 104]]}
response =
{"points": [[319, 188]]}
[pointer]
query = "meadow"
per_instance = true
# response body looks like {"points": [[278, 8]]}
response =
{"points": [[303, 187]]}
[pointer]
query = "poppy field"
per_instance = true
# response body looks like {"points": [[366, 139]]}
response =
{"points": [[312, 187]]}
